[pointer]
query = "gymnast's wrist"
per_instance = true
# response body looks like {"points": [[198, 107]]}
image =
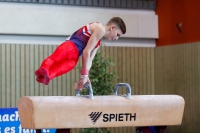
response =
{"points": [[84, 71]]}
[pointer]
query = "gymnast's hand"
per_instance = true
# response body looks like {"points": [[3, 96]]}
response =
{"points": [[80, 84]]}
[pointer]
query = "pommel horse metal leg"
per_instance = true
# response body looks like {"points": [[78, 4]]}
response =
{"points": [[38, 131], [63, 131]]}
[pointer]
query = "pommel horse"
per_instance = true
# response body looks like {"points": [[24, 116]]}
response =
{"points": [[88, 111]]}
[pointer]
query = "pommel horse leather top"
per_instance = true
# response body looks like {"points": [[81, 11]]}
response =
{"points": [[39, 112]]}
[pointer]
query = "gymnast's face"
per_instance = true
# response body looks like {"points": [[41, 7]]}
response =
{"points": [[114, 33]]}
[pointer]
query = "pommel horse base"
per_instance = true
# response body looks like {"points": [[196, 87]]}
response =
{"points": [[61, 112]]}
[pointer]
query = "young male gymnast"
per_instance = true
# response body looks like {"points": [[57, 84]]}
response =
{"points": [[84, 42]]}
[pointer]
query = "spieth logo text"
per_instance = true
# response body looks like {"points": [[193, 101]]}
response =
{"points": [[112, 117]]}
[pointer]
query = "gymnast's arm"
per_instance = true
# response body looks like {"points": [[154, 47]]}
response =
{"points": [[92, 55], [88, 53]]}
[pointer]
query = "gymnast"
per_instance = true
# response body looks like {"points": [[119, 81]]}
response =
{"points": [[84, 42]]}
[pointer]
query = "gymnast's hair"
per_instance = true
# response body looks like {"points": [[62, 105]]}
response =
{"points": [[119, 23]]}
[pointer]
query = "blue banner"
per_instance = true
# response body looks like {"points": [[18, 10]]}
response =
{"points": [[10, 122]]}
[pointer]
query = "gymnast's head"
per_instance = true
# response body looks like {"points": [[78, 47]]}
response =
{"points": [[115, 28]]}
